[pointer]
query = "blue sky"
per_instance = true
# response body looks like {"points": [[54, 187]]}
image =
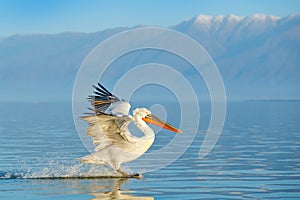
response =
{"points": [[53, 16]]}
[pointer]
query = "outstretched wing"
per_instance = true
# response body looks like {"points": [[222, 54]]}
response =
{"points": [[109, 123], [105, 102], [107, 129]]}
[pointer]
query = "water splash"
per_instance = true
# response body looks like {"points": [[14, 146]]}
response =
{"points": [[60, 170]]}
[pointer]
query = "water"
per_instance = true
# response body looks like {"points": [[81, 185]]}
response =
{"points": [[256, 157]]}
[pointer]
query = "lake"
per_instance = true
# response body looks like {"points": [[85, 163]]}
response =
{"points": [[256, 157]]}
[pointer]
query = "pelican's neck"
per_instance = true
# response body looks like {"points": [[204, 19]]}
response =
{"points": [[148, 132]]}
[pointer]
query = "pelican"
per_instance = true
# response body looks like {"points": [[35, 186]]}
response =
{"points": [[108, 128]]}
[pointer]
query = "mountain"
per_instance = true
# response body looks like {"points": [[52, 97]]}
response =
{"points": [[43, 67], [258, 57]]}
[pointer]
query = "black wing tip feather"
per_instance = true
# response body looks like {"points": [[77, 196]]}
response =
{"points": [[101, 90], [101, 93], [101, 99]]}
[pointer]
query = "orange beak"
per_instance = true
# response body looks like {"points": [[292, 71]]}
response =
{"points": [[151, 119]]}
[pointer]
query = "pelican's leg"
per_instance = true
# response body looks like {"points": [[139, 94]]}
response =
{"points": [[126, 174]]}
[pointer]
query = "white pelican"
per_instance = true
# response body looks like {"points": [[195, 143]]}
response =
{"points": [[108, 129]]}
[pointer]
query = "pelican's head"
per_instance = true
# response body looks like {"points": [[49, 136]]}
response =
{"points": [[147, 116]]}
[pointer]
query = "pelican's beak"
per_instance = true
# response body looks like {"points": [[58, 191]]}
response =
{"points": [[152, 119]]}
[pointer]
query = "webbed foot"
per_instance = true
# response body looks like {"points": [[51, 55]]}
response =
{"points": [[126, 175]]}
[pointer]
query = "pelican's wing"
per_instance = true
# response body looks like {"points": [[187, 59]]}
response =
{"points": [[108, 129], [105, 102]]}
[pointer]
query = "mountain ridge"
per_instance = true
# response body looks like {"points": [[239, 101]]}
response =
{"points": [[257, 56]]}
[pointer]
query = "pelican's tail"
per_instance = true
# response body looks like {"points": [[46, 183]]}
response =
{"points": [[92, 159]]}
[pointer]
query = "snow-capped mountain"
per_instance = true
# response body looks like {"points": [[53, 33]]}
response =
{"points": [[258, 57]]}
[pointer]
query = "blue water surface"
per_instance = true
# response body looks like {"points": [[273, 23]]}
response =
{"points": [[256, 157]]}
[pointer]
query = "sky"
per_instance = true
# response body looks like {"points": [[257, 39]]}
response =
{"points": [[55, 16]]}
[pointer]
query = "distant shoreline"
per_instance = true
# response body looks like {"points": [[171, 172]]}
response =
{"points": [[273, 100]]}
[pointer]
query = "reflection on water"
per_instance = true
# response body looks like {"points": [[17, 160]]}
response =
{"points": [[114, 192], [96, 188], [256, 157]]}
